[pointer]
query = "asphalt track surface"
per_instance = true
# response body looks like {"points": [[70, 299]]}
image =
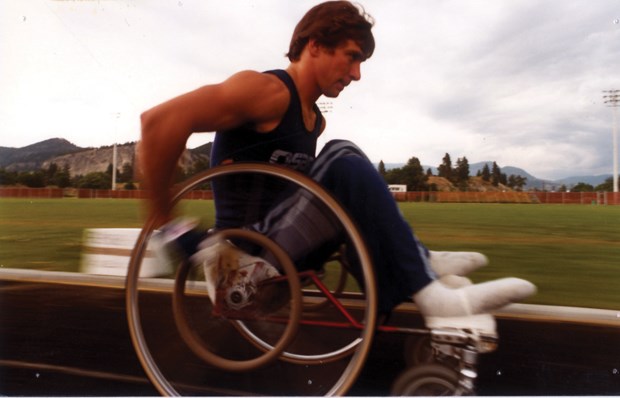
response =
{"points": [[65, 337]]}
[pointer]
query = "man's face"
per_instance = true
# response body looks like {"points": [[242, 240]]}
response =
{"points": [[339, 67]]}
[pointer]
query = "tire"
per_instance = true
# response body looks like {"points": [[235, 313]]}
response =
{"points": [[426, 380], [358, 353], [418, 350]]}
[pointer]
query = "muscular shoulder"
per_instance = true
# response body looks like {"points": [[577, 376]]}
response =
{"points": [[253, 79], [262, 89], [265, 98]]}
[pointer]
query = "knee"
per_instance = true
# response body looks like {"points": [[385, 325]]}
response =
{"points": [[340, 147], [339, 142], [350, 171], [353, 165]]}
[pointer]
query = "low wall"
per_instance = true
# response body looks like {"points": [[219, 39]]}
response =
{"points": [[11, 192], [18, 192], [108, 193], [466, 197], [583, 198]]}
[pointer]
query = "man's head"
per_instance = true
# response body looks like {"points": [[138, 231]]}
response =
{"points": [[331, 24]]}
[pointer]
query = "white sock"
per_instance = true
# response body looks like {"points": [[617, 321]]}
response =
{"points": [[455, 281], [456, 263]]}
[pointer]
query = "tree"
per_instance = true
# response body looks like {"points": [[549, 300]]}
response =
{"points": [[496, 174], [445, 168], [62, 178], [126, 174], [516, 182], [582, 187], [8, 177], [461, 174], [199, 165], [607, 186], [51, 173], [486, 173], [503, 179], [97, 180], [33, 179], [414, 175], [381, 169]]}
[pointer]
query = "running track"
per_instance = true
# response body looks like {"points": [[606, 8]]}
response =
{"points": [[67, 335]]}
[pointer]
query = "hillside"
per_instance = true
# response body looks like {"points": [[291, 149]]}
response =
{"points": [[93, 160], [33, 156], [532, 181], [476, 184], [82, 161]]}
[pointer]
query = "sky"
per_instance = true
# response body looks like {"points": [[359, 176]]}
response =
{"points": [[519, 82]]}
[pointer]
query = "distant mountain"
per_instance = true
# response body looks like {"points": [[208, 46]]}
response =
{"points": [[94, 160], [85, 160], [592, 180], [532, 181], [31, 157], [203, 149], [82, 161]]}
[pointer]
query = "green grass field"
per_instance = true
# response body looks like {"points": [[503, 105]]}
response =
{"points": [[571, 252]]}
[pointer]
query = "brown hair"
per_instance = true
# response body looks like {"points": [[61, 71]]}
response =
{"points": [[331, 24]]}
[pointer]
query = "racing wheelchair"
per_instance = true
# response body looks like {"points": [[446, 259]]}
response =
{"points": [[291, 324]]}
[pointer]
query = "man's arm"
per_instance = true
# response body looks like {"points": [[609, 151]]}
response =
{"points": [[247, 97]]}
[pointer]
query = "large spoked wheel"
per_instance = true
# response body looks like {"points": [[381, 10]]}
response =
{"points": [[136, 313], [426, 380], [196, 342]]}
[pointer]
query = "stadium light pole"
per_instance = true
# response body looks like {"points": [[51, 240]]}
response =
{"points": [[114, 155], [114, 167], [612, 99]]}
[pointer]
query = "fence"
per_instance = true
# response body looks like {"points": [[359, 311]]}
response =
{"points": [[465, 197], [12, 192], [18, 192], [583, 198], [133, 194]]}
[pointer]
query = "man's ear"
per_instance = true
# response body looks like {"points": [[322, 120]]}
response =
{"points": [[314, 48]]}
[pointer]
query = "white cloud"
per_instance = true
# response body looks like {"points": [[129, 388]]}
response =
{"points": [[514, 81]]}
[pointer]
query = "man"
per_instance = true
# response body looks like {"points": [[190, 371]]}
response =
{"points": [[273, 117]]}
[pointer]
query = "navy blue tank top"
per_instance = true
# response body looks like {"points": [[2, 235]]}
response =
{"points": [[245, 199]]}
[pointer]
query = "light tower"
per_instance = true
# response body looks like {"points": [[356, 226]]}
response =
{"points": [[114, 153], [612, 99]]}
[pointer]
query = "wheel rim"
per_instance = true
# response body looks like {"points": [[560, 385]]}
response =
{"points": [[353, 369], [196, 344]]}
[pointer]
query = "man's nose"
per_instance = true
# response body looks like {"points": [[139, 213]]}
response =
{"points": [[356, 71]]}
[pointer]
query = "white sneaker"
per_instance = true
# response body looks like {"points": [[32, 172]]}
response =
{"points": [[481, 324], [232, 275], [439, 300], [456, 263]]}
